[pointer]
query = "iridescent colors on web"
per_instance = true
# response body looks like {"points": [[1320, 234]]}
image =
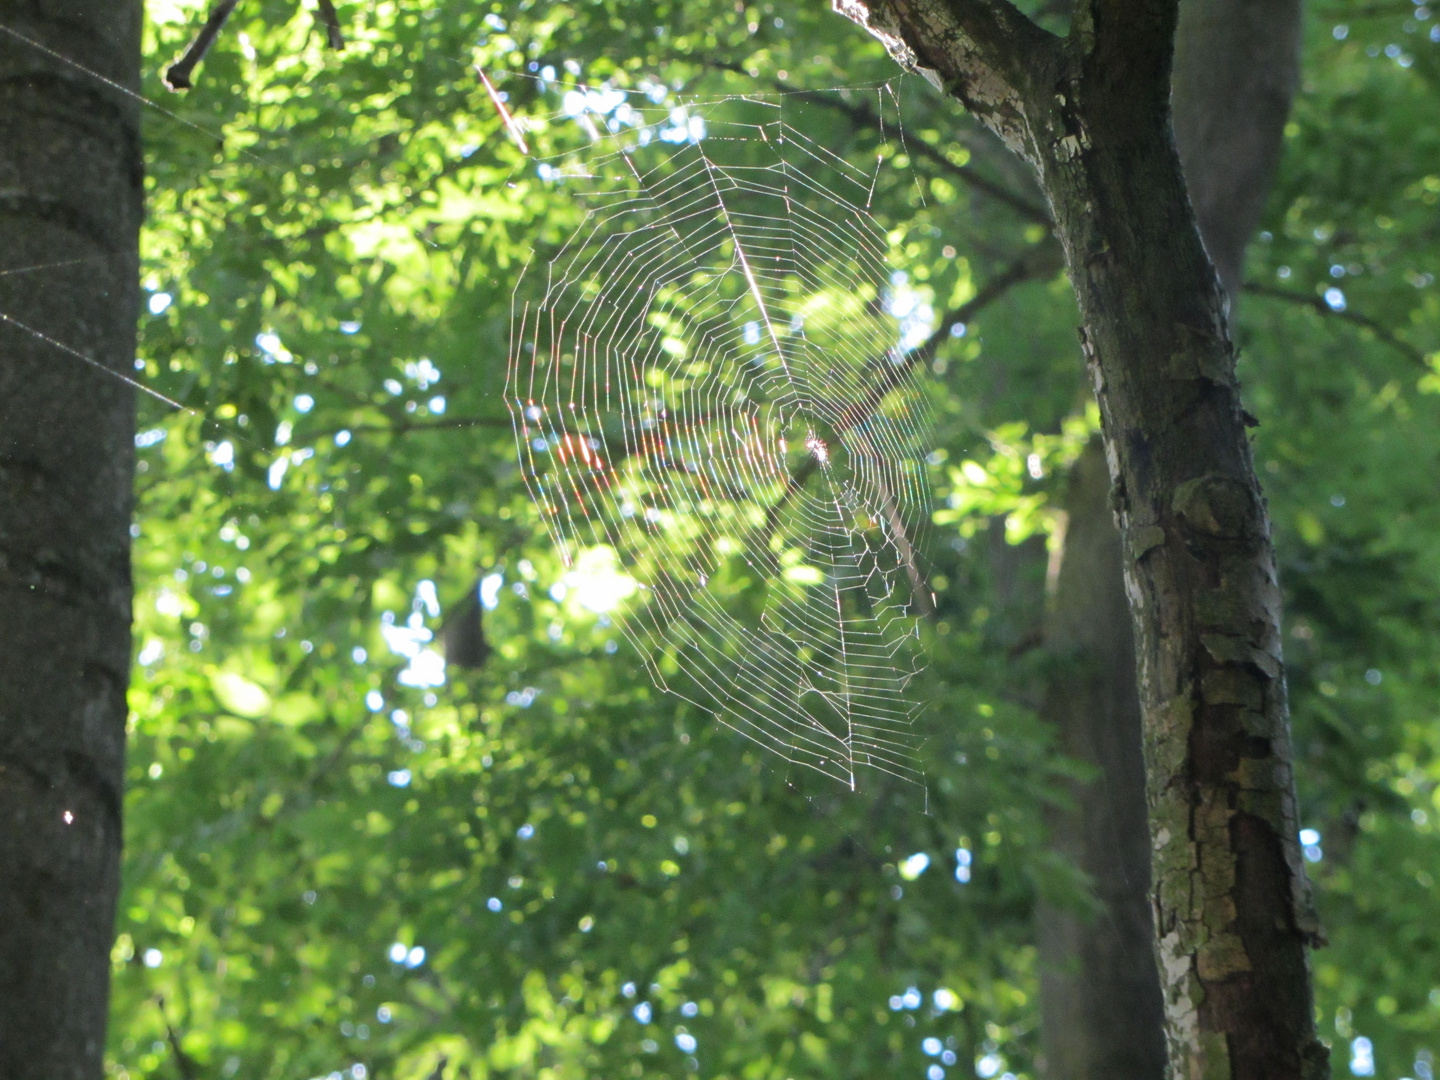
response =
{"points": [[711, 385]]}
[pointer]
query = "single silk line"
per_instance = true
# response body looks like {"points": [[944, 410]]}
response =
{"points": [[49, 266], [510, 125], [745, 264], [141, 98], [78, 355]]}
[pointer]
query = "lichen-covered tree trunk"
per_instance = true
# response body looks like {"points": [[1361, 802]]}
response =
{"points": [[1235, 71], [1091, 114], [70, 205]]}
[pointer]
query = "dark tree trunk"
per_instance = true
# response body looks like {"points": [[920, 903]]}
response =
{"points": [[1230, 894], [70, 206], [1236, 66], [1091, 114], [1100, 1007]]}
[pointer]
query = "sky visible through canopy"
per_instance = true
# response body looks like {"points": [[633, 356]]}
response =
{"points": [[346, 858]]}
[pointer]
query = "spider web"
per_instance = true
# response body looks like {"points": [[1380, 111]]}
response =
{"points": [[709, 380], [714, 385]]}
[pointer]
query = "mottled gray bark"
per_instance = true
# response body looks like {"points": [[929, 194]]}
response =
{"points": [[1091, 115], [1236, 66], [70, 205]]}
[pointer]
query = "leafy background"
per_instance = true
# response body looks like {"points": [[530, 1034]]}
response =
{"points": [[545, 867]]}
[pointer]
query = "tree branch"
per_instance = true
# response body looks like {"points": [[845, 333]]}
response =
{"points": [[1368, 11], [333, 758], [1354, 318], [184, 1063], [177, 77], [865, 116], [983, 52], [1134, 40], [1042, 259], [333, 37]]}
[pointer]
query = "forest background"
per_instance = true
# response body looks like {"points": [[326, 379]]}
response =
{"points": [[343, 857]]}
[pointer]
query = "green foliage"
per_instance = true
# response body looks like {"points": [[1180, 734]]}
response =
{"points": [[340, 235], [1347, 450]]}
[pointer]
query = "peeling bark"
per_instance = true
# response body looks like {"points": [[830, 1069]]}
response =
{"points": [[1091, 115], [70, 204], [1236, 67]]}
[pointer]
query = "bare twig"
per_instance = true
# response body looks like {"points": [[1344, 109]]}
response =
{"points": [[1369, 11], [1354, 318], [328, 16], [511, 126], [1039, 261], [177, 77], [919, 587], [184, 1063], [335, 755]]}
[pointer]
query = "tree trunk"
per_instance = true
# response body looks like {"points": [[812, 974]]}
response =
{"points": [[70, 206], [1091, 114], [1100, 1011], [1237, 63], [1231, 899], [1236, 66]]}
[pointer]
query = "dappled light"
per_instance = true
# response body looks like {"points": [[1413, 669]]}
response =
{"points": [[718, 387], [603, 485]]}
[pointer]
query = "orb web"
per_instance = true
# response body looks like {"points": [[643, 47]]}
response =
{"points": [[710, 385]]}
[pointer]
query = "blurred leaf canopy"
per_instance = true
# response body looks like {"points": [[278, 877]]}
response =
{"points": [[338, 864]]}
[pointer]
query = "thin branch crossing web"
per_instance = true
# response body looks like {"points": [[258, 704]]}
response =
{"points": [[712, 393]]}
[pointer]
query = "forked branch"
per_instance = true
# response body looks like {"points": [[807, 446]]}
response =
{"points": [[1138, 40], [865, 116], [180, 75], [1321, 306], [1041, 261]]}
